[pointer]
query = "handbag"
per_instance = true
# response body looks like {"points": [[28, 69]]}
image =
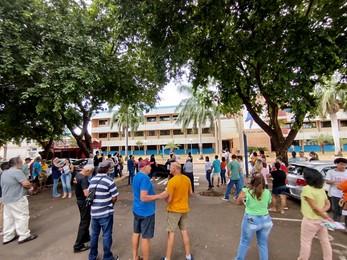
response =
{"points": [[91, 195]]}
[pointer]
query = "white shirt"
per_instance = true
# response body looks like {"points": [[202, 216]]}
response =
{"points": [[334, 175], [208, 166]]}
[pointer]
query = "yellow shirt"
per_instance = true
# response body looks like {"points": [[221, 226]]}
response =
{"points": [[318, 195], [179, 187], [44, 167]]}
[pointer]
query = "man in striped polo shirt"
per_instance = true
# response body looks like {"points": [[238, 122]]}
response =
{"points": [[102, 211]]}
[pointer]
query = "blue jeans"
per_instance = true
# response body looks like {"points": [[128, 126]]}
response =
{"points": [[131, 177], [222, 176], [106, 224], [241, 182], [112, 175], [230, 186], [66, 182], [255, 225], [55, 187], [208, 178]]}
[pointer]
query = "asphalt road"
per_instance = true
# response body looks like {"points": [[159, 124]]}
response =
{"points": [[214, 229]]}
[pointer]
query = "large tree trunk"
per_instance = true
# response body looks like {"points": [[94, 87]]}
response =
{"points": [[46, 148], [336, 134]]}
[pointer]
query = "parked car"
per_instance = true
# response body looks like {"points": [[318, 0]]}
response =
{"points": [[295, 175]]}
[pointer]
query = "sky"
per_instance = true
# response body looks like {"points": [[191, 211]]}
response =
{"points": [[170, 96]]}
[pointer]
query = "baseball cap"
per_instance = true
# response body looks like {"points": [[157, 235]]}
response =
{"points": [[144, 163], [105, 164]]}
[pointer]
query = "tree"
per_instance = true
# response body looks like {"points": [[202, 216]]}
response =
{"points": [[322, 139], [266, 55], [73, 57], [332, 98], [193, 111], [172, 146], [127, 117], [139, 144]]}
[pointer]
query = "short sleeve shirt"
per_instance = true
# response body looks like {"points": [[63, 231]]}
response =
{"points": [[208, 166], [257, 207], [279, 178], [142, 182], [81, 185], [234, 167], [318, 195], [37, 169], [334, 175], [179, 187], [11, 184], [216, 166]]}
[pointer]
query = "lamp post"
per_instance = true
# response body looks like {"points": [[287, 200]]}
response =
{"points": [[191, 145]]}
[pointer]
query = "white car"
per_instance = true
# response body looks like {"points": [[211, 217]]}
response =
{"points": [[295, 175]]}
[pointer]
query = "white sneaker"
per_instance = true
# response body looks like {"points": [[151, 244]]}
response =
{"points": [[225, 199]]}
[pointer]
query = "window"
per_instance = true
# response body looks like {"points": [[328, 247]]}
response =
{"points": [[164, 118], [151, 119], [103, 135], [102, 122], [139, 133], [164, 132], [174, 117], [206, 131], [326, 124], [343, 123], [309, 125], [190, 131], [152, 133], [114, 135], [177, 132]]}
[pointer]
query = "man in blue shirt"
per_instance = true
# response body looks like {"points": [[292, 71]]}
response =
{"points": [[37, 169], [144, 209], [101, 211], [131, 169]]}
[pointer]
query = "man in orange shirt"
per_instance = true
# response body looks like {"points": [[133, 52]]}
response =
{"points": [[178, 190]]}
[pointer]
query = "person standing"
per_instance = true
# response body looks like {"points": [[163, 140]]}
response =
{"points": [[262, 157], [188, 171], [4, 166], [26, 167], [15, 185], [234, 175], [56, 174], [293, 159], [154, 166], [227, 155], [216, 170], [66, 177], [279, 188], [256, 220], [37, 169], [112, 173], [223, 170], [208, 170], [144, 210], [131, 169], [81, 190], [106, 194], [314, 207], [302, 157], [178, 191], [335, 177], [43, 175], [96, 162]]}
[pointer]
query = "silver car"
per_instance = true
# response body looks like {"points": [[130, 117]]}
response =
{"points": [[296, 180]]}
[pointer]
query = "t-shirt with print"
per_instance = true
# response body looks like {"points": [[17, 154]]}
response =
{"points": [[216, 166], [179, 187], [318, 195], [141, 182], [234, 168], [334, 175], [106, 190]]}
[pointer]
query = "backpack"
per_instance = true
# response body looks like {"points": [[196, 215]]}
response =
{"points": [[91, 196]]}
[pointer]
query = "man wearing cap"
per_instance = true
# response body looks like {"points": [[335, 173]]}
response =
{"points": [[144, 209], [26, 168], [106, 194], [178, 189], [81, 190], [335, 177]]}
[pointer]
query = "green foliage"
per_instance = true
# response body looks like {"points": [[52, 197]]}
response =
{"points": [[172, 146], [251, 149], [322, 139], [264, 55]]}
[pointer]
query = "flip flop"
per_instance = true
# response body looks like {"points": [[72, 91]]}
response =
{"points": [[272, 210]]}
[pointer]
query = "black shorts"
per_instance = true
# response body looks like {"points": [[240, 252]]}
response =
{"points": [[282, 190], [144, 225], [35, 179]]}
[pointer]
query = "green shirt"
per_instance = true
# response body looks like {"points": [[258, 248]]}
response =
{"points": [[257, 207], [318, 195], [234, 168]]}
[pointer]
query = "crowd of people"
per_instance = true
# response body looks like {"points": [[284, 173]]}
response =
{"points": [[96, 212]]}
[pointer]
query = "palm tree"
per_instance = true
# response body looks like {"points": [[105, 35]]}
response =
{"points": [[139, 144], [332, 97], [322, 139], [193, 111], [172, 146], [127, 117]]}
